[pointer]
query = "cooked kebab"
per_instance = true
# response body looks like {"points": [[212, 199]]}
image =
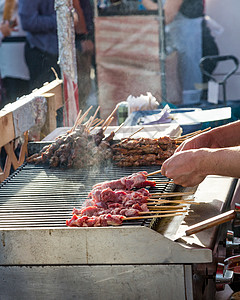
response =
{"points": [[143, 151], [75, 149]]}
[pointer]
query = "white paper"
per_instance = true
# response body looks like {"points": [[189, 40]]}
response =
{"points": [[213, 92]]}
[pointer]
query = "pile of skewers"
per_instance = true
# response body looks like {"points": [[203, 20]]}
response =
{"points": [[79, 147], [112, 202], [143, 151]]}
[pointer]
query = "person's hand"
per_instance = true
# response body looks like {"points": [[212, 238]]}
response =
{"points": [[187, 168], [6, 29]]}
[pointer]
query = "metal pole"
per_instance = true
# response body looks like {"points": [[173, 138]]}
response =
{"points": [[162, 50]]}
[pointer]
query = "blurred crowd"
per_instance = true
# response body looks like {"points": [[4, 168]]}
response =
{"points": [[29, 47]]}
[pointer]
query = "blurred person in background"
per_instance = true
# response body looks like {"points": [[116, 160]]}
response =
{"points": [[84, 39], [38, 19], [5, 30], [13, 68], [186, 32]]}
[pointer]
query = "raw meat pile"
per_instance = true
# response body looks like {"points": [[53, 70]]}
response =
{"points": [[143, 151], [110, 202], [75, 149]]}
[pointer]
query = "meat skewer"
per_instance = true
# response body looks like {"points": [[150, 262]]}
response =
{"points": [[137, 180], [108, 219], [143, 151]]}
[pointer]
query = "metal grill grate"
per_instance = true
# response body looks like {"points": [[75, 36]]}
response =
{"points": [[36, 196]]}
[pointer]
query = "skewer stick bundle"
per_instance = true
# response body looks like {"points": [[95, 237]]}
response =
{"points": [[162, 207], [77, 119], [108, 123], [174, 194], [83, 116], [190, 135], [96, 125], [163, 211], [154, 216], [109, 117]]}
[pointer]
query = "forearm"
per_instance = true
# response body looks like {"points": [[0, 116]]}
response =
{"points": [[224, 162], [227, 135]]}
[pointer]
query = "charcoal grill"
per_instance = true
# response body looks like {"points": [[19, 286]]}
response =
{"points": [[41, 258]]}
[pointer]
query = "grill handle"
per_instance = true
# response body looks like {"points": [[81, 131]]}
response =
{"points": [[217, 220]]}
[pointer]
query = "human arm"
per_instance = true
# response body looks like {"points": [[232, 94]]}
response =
{"points": [[190, 167], [219, 137], [171, 8], [34, 20], [79, 19]]}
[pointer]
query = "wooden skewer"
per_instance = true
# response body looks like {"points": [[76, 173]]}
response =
{"points": [[94, 122], [162, 207], [192, 134], [96, 125], [154, 216], [136, 132], [160, 202], [84, 115], [94, 116], [156, 205], [105, 122], [132, 134], [173, 194], [187, 135], [75, 124], [119, 127], [108, 123], [88, 124], [164, 182], [153, 173], [163, 211]]}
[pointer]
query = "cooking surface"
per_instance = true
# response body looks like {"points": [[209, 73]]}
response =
{"points": [[37, 196]]}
